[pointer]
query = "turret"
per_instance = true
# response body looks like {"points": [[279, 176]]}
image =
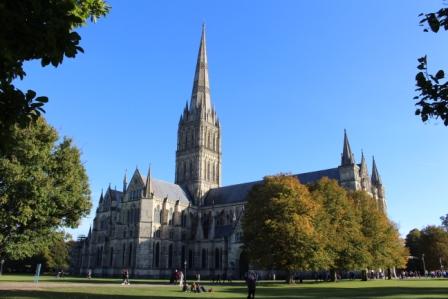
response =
{"points": [[348, 170], [148, 188], [378, 186], [364, 174], [347, 157], [125, 182]]}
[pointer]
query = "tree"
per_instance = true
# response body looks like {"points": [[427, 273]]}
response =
{"points": [[434, 244], [432, 100], [444, 220], [383, 240], [36, 30], [43, 187], [56, 255], [413, 241], [340, 226], [53, 257], [278, 226]]}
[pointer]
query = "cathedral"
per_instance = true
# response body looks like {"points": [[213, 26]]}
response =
{"points": [[152, 227]]}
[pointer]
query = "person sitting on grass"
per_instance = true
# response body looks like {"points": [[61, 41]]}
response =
{"points": [[185, 287]]}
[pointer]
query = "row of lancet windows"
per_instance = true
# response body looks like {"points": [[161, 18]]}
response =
{"points": [[131, 215], [204, 261], [210, 170], [188, 139], [158, 216], [127, 257]]}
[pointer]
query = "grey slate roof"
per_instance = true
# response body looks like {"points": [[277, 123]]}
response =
{"points": [[162, 189], [237, 193]]}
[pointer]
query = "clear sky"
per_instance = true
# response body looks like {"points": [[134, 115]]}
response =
{"points": [[286, 78]]}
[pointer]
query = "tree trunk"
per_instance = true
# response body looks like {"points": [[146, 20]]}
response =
{"points": [[364, 275], [333, 275], [389, 273]]}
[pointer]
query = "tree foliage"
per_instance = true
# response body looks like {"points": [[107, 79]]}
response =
{"points": [[294, 227], [444, 220], [37, 30], [385, 247], [432, 98], [432, 242], [278, 223], [413, 240], [43, 187], [340, 226]]}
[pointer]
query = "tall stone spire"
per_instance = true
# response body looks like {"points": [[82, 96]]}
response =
{"points": [[198, 155], [347, 156], [200, 96], [376, 179]]}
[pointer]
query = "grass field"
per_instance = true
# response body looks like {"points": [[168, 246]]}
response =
{"points": [[22, 287]]}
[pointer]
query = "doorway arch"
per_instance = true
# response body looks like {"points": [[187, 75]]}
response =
{"points": [[243, 263]]}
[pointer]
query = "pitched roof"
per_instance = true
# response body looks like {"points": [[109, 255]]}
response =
{"points": [[162, 189], [237, 193]]}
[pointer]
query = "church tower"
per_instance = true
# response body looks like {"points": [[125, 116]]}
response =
{"points": [[198, 155], [348, 170]]}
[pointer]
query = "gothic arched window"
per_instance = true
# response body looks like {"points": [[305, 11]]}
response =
{"points": [[208, 170], [157, 214], [209, 141], [157, 255], [217, 258], [170, 256], [204, 258], [111, 262], [130, 255]]}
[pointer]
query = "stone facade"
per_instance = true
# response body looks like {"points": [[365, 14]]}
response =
{"points": [[152, 227]]}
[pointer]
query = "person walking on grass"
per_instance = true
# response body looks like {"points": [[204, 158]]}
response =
{"points": [[125, 277], [251, 282]]}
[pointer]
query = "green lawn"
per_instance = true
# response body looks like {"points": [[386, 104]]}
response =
{"points": [[71, 288]]}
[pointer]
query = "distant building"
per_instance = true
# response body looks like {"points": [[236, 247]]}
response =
{"points": [[152, 227]]}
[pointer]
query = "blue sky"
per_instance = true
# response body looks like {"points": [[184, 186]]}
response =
{"points": [[286, 78]]}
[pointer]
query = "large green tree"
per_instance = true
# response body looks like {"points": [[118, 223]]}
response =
{"points": [[278, 225], [413, 240], [385, 246], [43, 187], [36, 30], [340, 227], [434, 245]]}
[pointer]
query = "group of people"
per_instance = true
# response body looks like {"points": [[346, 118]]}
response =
{"points": [[194, 287]]}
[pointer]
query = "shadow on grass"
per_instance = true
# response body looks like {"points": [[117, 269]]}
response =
{"points": [[341, 292], [234, 292]]}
